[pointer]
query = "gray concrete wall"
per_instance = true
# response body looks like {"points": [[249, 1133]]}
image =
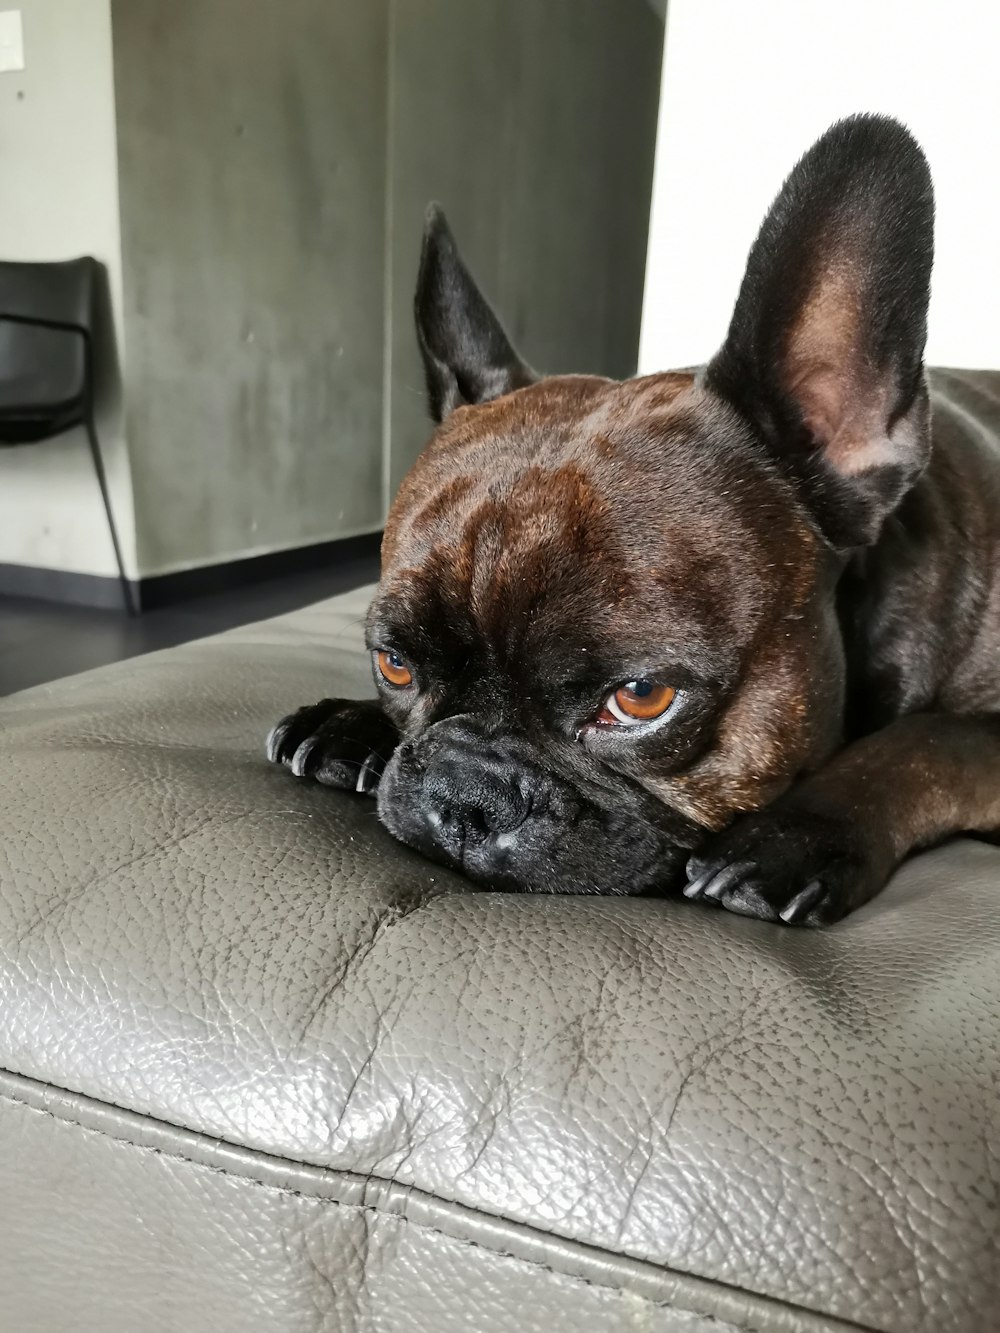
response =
{"points": [[533, 123], [275, 159], [252, 184], [60, 200]]}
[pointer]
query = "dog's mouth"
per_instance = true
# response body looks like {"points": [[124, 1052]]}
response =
{"points": [[513, 827]]}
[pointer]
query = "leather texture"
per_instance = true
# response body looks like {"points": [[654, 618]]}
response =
{"points": [[267, 1069]]}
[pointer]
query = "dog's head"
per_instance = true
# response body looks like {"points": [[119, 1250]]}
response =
{"points": [[606, 621]]}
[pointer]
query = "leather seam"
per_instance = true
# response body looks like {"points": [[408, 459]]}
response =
{"points": [[375, 1209]]}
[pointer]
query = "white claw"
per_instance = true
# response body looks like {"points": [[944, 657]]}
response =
{"points": [[273, 743], [299, 758]]}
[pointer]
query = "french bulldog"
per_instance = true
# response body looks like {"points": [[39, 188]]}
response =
{"points": [[733, 631]]}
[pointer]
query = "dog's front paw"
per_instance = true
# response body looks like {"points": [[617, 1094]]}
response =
{"points": [[337, 742], [788, 865]]}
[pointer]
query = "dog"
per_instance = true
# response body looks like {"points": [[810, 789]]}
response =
{"points": [[734, 631]]}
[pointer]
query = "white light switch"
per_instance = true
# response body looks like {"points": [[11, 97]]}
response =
{"points": [[11, 41]]}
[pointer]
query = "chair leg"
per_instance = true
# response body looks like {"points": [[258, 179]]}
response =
{"points": [[128, 592]]}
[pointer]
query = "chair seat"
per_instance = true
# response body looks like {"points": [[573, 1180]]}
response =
{"points": [[270, 1070]]}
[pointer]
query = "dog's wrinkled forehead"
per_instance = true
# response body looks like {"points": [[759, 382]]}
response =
{"points": [[597, 498]]}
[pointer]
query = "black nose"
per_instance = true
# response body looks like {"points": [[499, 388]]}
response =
{"points": [[465, 799]]}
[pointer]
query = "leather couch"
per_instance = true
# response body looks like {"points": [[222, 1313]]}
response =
{"points": [[264, 1069]]}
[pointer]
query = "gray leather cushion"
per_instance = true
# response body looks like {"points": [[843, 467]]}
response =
{"points": [[808, 1122]]}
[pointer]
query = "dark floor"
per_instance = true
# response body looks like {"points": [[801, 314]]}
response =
{"points": [[42, 641]]}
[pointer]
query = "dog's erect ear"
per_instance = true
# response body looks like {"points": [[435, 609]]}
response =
{"points": [[825, 350], [467, 356]]}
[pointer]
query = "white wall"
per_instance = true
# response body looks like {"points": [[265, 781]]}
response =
{"points": [[59, 174], [748, 87]]}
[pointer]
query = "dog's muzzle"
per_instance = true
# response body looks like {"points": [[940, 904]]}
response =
{"points": [[463, 797], [514, 817]]}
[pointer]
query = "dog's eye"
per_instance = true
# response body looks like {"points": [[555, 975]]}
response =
{"points": [[636, 701], [393, 669]]}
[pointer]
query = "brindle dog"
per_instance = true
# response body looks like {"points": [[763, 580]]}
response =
{"points": [[734, 631]]}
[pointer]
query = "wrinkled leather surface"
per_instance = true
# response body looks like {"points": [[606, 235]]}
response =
{"points": [[192, 1234], [734, 1124]]}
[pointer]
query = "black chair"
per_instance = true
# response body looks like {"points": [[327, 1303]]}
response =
{"points": [[50, 322]]}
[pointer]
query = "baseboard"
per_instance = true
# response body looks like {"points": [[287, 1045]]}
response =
{"points": [[186, 584], [160, 590], [62, 585]]}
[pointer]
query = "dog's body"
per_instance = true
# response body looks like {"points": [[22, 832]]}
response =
{"points": [[734, 630]]}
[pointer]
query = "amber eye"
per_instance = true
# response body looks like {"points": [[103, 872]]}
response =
{"points": [[637, 701], [393, 669]]}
